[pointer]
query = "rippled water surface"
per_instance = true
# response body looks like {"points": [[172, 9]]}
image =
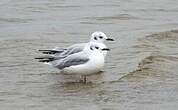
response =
{"points": [[141, 71]]}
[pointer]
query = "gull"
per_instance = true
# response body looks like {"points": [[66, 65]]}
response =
{"points": [[97, 37], [90, 60]]}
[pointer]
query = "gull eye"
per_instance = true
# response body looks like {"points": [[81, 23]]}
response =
{"points": [[97, 47], [91, 48], [95, 38], [101, 37]]}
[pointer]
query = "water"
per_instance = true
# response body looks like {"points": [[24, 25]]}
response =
{"points": [[140, 72]]}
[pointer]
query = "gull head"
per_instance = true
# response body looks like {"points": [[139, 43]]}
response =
{"points": [[99, 37], [93, 47]]}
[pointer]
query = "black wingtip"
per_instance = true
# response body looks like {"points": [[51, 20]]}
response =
{"points": [[50, 51], [44, 61], [38, 58]]}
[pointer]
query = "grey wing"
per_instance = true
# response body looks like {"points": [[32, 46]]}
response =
{"points": [[66, 51], [73, 49], [71, 61]]}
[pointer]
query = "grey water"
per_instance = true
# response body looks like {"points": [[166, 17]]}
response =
{"points": [[141, 70]]}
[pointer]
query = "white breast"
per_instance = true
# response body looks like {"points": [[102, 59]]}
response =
{"points": [[94, 65]]}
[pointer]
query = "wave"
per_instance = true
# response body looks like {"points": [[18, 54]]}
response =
{"points": [[162, 60]]}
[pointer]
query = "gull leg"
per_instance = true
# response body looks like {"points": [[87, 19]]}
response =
{"points": [[85, 79]]}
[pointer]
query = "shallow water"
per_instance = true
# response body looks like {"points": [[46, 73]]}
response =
{"points": [[141, 68]]}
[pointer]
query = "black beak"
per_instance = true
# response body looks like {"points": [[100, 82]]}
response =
{"points": [[105, 49], [109, 39]]}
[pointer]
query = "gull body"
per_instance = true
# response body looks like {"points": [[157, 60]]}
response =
{"points": [[96, 38], [88, 61], [94, 65]]}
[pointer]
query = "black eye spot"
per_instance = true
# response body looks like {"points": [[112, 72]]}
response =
{"points": [[101, 37], [95, 38], [97, 47], [91, 48]]}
